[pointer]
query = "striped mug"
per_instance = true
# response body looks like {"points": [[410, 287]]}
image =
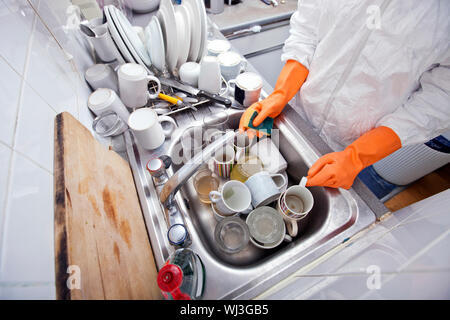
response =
{"points": [[223, 161]]}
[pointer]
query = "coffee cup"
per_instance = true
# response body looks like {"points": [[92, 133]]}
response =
{"points": [[210, 79], [102, 42], [242, 144], [233, 197], [133, 85], [294, 204], [189, 73], [223, 161], [146, 126], [265, 187], [105, 100], [217, 46], [247, 88], [231, 64], [101, 76], [267, 228]]}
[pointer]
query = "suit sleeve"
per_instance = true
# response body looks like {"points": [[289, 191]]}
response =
{"points": [[426, 114], [303, 38]]}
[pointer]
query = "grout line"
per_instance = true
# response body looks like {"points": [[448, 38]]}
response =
{"points": [[4, 218]]}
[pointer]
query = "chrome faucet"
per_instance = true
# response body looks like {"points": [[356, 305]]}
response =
{"points": [[175, 182]]}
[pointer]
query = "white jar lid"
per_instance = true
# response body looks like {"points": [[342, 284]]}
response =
{"points": [[132, 71], [100, 99]]}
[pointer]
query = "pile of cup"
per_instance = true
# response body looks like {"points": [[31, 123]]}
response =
{"points": [[223, 67], [273, 211]]}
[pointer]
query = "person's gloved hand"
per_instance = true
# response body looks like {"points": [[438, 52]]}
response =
{"points": [[339, 169], [290, 80]]}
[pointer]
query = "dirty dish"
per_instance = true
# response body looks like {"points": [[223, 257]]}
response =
{"points": [[195, 30], [245, 168], [189, 73], [115, 35], [265, 187], [205, 182], [297, 201], [233, 197], [267, 228], [166, 16], [101, 76], [155, 44], [231, 235], [216, 47], [184, 34], [223, 161]]}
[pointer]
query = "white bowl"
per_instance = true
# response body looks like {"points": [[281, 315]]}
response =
{"points": [[142, 6]]}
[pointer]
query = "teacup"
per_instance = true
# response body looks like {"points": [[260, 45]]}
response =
{"points": [[265, 187], [294, 205], [233, 197], [231, 64], [223, 161]]}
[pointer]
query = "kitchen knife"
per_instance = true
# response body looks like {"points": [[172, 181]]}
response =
{"points": [[196, 92]]}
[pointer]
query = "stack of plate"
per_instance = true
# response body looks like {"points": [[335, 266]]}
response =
{"points": [[130, 46], [176, 34]]}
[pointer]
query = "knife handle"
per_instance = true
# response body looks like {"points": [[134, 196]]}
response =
{"points": [[215, 97]]}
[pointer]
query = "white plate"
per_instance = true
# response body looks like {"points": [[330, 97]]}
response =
{"points": [[204, 25], [131, 35], [194, 47], [130, 48], [155, 44], [116, 36], [166, 16], [184, 34]]}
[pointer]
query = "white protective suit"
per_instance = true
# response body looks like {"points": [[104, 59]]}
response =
{"points": [[366, 72]]}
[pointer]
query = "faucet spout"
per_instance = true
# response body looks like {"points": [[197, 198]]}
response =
{"points": [[176, 181]]}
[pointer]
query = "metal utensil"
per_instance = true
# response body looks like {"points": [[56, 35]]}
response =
{"points": [[195, 92], [188, 106]]}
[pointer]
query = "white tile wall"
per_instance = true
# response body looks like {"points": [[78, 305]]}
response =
{"points": [[36, 83]]}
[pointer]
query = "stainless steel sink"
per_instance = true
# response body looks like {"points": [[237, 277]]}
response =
{"points": [[337, 215]]}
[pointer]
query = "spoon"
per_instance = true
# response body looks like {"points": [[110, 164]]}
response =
{"points": [[87, 30]]}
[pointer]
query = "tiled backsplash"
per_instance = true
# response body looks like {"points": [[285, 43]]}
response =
{"points": [[37, 81]]}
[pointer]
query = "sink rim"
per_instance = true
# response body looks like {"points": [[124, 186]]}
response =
{"points": [[252, 280]]}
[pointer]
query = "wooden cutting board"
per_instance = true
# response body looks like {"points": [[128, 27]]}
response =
{"points": [[102, 249]]}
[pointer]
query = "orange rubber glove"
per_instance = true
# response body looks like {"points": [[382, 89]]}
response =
{"points": [[339, 169], [290, 80]]}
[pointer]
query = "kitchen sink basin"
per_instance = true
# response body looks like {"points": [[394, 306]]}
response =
{"points": [[337, 214]]}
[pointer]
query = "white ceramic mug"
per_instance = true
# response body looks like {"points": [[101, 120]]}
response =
{"points": [[217, 46], [104, 100], [102, 43], [231, 64], [189, 73], [247, 88], [233, 197], [133, 85], [146, 126], [294, 204], [265, 187], [242, 144], [210, 79], [101, 76]]}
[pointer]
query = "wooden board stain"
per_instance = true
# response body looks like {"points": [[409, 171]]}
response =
{"points": [[93, 202], [109, 205], [117, 252]]}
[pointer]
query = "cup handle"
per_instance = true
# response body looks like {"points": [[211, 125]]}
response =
{"points": [[226, 89], [292, 227], [303, 182], [214, 196], [168, 132], [158, 87], [282, 177], [238, 154], [287, 238], [231, 83]]}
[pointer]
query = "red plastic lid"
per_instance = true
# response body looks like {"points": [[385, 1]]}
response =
{"points": [[170, 277]]}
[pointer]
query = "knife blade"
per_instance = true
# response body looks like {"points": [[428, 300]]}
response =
{"points": [[196, 92]]}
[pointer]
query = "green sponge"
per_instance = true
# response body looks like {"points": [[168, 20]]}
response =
{"points": [[265, 127]]}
